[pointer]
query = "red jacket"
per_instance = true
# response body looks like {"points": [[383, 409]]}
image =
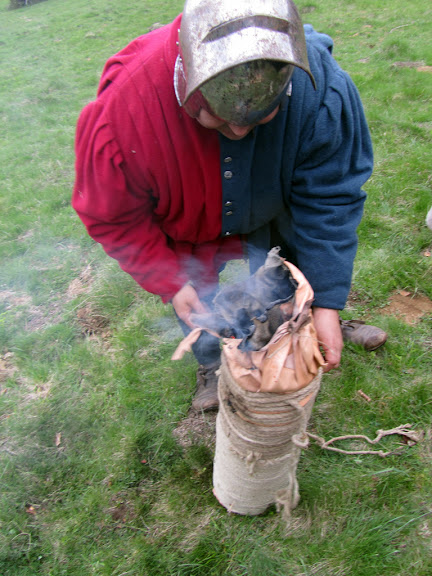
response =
{"points": [[148, 182], [169, 199]]}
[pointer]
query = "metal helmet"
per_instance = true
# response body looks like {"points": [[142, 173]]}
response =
{"points": [[237, 58]]}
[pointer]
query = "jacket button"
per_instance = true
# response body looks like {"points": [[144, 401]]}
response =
{"points": [[228, 203], [228, 174], [229, 213], [227, 159], [227, 234]]}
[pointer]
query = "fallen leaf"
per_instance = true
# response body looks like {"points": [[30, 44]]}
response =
{"points": [[427, 253], [424, 69], [405, 293], [58, 439]]}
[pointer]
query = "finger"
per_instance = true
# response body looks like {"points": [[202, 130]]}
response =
{"points": [[332, 361]]}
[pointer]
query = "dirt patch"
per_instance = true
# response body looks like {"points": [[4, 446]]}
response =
{"points": [[92, 322], [409, 307], [197, 429], [20, 306], [419, 66], [7, 368], [80, 285], [121, 510], [38, 391], [14, 299], [408, 64], [39, 317]]}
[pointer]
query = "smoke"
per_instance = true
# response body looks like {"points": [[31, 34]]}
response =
{"points": [[253, 309]]}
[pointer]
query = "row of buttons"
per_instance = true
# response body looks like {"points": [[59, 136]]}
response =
{"points": [[228, 175]]}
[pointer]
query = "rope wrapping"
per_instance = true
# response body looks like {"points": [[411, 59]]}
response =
{"points": [[259, 437]]}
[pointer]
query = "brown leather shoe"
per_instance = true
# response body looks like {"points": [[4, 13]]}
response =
{"points": [[206, 395], [357, 332]]}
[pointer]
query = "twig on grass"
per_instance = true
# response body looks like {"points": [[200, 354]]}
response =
{"points": [[404, 430], [363, 395], [397, 27]]}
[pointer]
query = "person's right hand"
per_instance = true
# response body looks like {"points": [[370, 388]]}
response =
{"points": [[186, 302], [329, 334]]}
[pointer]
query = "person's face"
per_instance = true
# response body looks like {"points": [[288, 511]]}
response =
{"points": [[230, 131]]}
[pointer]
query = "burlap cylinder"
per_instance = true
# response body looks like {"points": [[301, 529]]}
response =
{"points": [[259, 436]]}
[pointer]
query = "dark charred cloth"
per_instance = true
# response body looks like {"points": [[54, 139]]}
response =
{"points": [[253, 309]]}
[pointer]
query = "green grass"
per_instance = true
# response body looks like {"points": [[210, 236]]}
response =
{"points": [[92, 479]]}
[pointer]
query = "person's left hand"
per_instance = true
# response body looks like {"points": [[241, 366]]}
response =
{"points": [[329, 334], [186, 302]]}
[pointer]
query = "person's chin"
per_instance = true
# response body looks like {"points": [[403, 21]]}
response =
{"points": [[229, 134]]}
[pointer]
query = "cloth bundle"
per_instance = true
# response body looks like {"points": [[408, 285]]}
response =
{"points": [[268, 319], [270, 376], [259, 436]]}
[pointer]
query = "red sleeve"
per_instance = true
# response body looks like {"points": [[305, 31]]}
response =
{"points": [[120, 220]]}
